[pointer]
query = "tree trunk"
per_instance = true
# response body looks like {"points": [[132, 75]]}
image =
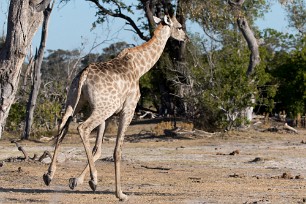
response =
{"points": [[254, 57], [24, 18], [180, 16], [36, 82], [252, 44]]}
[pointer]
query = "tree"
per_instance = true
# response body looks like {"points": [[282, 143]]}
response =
{"points": [[223, 77], [297, 14], [36, 79], [289, 71], [24, 18]]}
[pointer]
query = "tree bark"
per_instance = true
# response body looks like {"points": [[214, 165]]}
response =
{"points": [[252, 43], [36, 82], [180, 16], [24, 18]]}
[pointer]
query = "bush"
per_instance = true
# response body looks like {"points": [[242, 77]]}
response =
{"points": [[16, 117]]}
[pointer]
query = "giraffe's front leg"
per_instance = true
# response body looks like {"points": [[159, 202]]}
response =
{"points": [[125, 119], [73, 182]]}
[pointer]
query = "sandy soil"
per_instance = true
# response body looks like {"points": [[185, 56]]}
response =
{"points": [[266, 168]]}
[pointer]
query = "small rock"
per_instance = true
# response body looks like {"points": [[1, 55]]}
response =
{"points": [[257, 159], [181, 147], [287, 175], [108, 159], [235, 152], [46, 160], [236, 176]]}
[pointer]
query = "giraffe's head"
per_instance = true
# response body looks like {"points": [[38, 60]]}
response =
{"points": [[176, 28]]}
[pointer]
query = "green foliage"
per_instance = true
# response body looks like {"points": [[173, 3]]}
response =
{"points": [[16, 116], [297, 15], [289, 72], [46, 114], [112, 51], [228, 87], [266, 87], [276, 41], [226, 91]]}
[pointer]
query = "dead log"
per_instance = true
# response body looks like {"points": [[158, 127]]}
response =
{"points": [[149, 114], [26, 157], [205, 134], [157, 168], [45, 155], [20, 148], [181, 132], [287, 127]]}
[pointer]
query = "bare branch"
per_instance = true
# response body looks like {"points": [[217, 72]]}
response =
{"points": [[123, 16], [149, 13], [20, 148]]}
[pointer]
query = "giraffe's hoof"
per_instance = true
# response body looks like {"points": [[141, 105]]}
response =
{"points": [[123, 197], [47, 179], [93, 185], [73, 183]]}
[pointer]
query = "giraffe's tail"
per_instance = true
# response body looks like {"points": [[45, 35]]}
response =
{"points": [[73, 98]]}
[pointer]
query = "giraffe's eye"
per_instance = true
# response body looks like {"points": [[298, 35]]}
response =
{"points": [[179, 28]]}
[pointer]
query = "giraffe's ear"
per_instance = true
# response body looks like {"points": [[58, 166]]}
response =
{"points": [[156, 19], [167, 20]]}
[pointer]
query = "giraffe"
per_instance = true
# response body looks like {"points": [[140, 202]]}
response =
{"points": [[110, 88]]}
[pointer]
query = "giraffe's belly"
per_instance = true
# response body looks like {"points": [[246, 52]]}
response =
{"points": [[109, 98]]}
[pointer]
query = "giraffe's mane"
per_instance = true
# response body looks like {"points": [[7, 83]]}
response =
{"points": [[152, 40]]}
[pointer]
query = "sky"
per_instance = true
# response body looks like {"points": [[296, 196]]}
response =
{"points": [[70, 27]]}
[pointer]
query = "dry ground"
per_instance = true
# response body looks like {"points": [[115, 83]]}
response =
{"points": [[167, 170]]}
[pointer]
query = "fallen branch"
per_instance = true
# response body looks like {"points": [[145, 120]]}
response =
{"points": [[148, 114], [20, 148], [181, 132], [287, 127], [158, 168], [204, 133], [26, 157], [45, 155]]}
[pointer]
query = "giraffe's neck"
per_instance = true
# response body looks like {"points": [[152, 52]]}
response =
{"points": [[147, 54]]}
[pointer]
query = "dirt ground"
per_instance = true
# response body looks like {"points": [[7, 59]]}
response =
{"points": [[266, 168]]}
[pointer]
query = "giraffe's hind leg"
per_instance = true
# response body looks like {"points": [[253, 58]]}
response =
{"points": [[63, 129], [95, 119], [73, 182], [47, 177]]}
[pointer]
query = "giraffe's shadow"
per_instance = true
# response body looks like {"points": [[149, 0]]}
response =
{"points": [[33, 190], [105, 192]]}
